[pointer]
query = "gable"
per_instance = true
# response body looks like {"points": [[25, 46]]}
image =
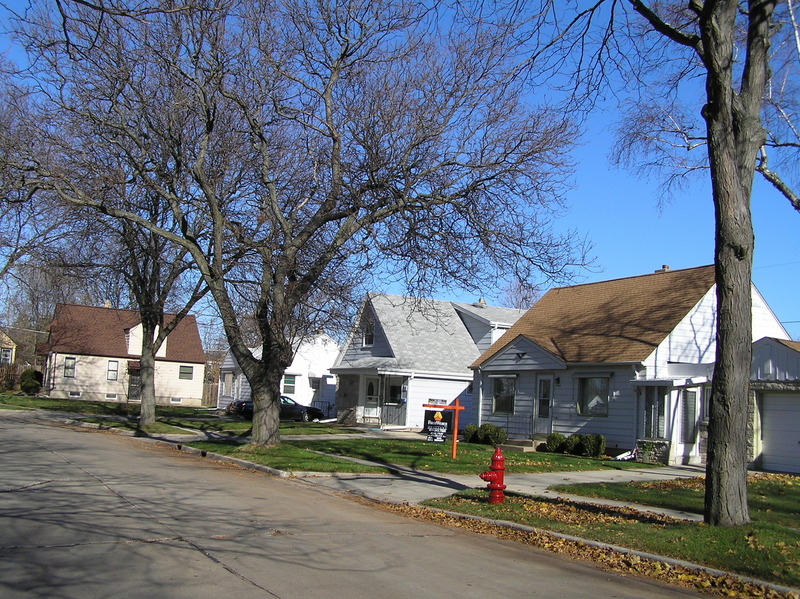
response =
{"points": [[623, 320], [522, 354]]}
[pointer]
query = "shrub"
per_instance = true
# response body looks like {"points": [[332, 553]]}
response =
{"points": [[491, 434], [470, 433], [30, 381], [555, 443], [594, 446], [573, 445]]}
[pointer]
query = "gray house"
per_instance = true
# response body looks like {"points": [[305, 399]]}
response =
{"points": [[403, 352], [775, 389], [630, 359]]}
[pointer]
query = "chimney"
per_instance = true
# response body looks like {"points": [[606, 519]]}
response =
{"points": [[481, 303], [107, 304], [664, 268]]}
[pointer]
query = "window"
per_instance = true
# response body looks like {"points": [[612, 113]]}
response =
{"points": [[175, 400], [689, 416], [186, 373], [69, 367], [111, 396], [655, 412], [368, 333], [74, 393], [289, 384], [113, 370], [504, 391], [5, 355], [544, 396], [593, 396]]}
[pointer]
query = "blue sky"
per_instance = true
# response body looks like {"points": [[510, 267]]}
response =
{"points": [[633, 235]]}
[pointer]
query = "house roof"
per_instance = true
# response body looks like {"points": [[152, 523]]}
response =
{"points": [[622, 320], [492, 315], [422, 335], [91, 331]]}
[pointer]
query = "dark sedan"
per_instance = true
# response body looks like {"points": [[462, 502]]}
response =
{"points": [[290, 410]]}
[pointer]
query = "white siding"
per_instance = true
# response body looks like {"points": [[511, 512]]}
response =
{"points": [[169, 385], [765, 323], [692, 341], [422, 390], [91, 380], [313, 359], [773, 361]]}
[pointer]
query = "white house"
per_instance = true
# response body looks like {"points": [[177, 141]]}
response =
{"points": [[630, 359], [308, 379], [403, 353], [93, 354]]}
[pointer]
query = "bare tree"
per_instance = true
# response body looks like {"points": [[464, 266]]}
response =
{"points": [[744, 55], [306, 147], [28, 230]]}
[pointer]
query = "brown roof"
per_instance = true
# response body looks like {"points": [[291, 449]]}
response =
{"points": [[612, 321], [90, 331]]}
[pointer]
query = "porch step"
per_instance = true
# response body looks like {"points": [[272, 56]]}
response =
{"points": [[524, 445]]}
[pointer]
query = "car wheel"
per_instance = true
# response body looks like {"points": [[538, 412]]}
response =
{"points": [[304, 417]]}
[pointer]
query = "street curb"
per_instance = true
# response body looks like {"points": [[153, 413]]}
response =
{"points": [[223, 458], [623, 550]]}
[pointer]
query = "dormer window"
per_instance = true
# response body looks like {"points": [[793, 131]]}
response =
{"points": [[368, 332]]}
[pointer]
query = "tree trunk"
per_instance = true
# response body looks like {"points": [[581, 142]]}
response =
{"points": [[147, 413], [735, 133]]}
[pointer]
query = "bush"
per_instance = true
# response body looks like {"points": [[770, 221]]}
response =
{"points": [[573, 445], [30, 381], [491, 434], [555, 443], [594, 446], [470, 433]]}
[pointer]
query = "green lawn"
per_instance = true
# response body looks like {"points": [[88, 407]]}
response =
{"points": [[436, 457], [768, 548], [286, 457], [170, 419]]}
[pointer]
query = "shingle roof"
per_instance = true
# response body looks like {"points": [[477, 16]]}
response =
{"points": [[622, 320], [91, 331], [423, 335]]}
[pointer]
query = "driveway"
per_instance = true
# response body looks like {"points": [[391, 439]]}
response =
{"points": [[90, 515]]}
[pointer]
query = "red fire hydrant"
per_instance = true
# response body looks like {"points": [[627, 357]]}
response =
{"points": [[495, 478]]}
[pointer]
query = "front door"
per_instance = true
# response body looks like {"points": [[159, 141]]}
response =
{"points": [[393, 412], [134, 384], [372, 391], [542, 421]]}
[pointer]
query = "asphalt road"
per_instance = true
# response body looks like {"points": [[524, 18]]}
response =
{"points": [[89, 515]]}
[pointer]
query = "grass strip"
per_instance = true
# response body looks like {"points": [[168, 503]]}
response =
{"points": [[285, 457], [768, 548]]}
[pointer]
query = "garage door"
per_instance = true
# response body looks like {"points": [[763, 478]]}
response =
{"points": [[781, 433]]}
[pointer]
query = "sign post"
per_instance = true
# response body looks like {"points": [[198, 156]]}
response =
{"points": [[456, 407]]}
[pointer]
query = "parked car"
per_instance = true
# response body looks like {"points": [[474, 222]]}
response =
{"points": [[290, 410]]}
